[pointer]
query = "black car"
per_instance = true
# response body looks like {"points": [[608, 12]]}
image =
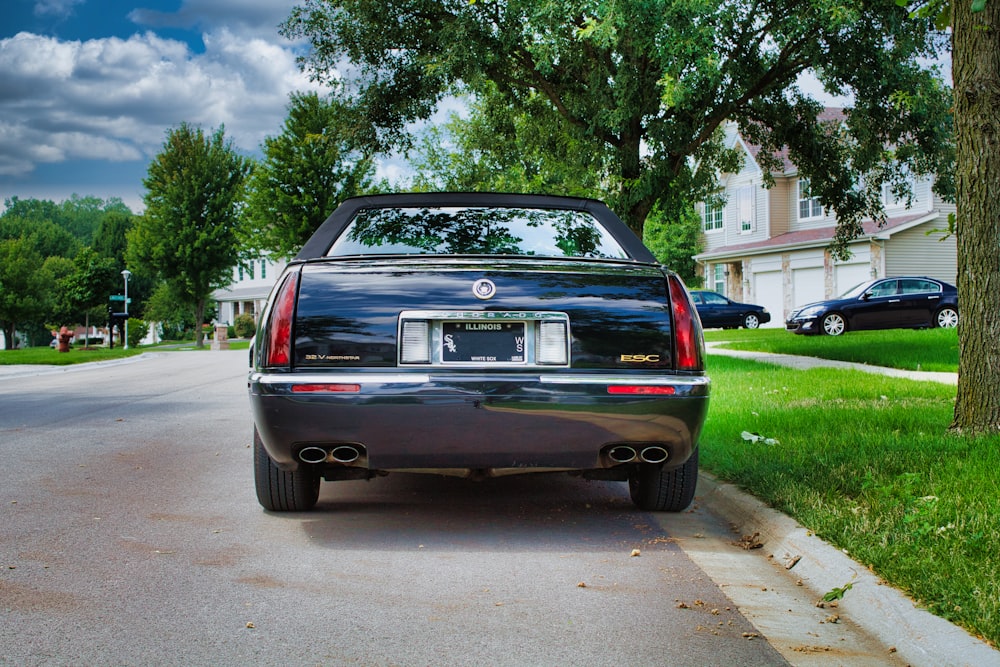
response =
{"points": [[477, 335], [716, 310], [885, 303]]}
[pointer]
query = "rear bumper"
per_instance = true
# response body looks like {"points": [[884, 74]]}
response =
{"points": [[408, 421]]}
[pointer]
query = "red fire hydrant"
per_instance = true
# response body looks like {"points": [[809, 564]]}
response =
{"points": [[64, 337]]}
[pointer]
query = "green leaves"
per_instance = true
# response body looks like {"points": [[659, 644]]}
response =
{"points": [[308, 169], [644, 86], [187, 236]]}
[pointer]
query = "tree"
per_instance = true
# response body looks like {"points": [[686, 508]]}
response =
{"points": [[84, 290], [504, 149], [187, 236], [675, 240], [646, 84], [976, 75], [31, 219], [26, 287], [307, 171]]}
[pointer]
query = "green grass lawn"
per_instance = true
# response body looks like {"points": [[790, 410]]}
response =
{"points": [[914, 350], [80, 355], [867, 463]]}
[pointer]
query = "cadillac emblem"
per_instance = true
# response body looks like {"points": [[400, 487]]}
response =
{"points": [[484, 289]]}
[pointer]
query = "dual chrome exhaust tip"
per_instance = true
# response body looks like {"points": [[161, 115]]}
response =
{"points": [[629, 454], [344, 454]]}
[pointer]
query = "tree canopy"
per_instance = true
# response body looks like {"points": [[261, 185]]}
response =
{"points": [[188, 234], [647, 84], [307, 171]]}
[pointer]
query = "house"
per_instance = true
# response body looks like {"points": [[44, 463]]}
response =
{"points": [[252, 282], [770, 246]]}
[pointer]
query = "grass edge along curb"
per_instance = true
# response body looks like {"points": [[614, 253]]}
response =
{"points": [[917, 636]]}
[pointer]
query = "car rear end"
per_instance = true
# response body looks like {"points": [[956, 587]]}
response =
{"points": [[478, 366]]}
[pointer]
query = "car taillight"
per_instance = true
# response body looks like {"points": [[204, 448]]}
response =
{"points": [[687, 329], [642, 390], [279, 341]]}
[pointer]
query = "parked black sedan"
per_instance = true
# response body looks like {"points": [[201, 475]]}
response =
{"points": [[477, 335], [716, 310], [885, 303]]}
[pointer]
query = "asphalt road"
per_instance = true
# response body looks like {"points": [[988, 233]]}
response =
{"points": [[130, 535]]}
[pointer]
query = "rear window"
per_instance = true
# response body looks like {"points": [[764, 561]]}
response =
{"points": [[476, 231]]}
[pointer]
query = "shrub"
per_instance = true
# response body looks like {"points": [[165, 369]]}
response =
{"points": [[244, 326], [137, 330]]}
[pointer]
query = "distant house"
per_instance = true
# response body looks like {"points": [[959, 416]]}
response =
{"points": [[769, 246], [252, 282]]}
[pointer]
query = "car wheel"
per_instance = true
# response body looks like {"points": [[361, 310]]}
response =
{"points": [[834, 324], [655, 489], [946, 318], [282, 490], [751, 321]]}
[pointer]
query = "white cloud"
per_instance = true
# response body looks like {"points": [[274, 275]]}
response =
{"points": [[57, 8], [114, 99]]}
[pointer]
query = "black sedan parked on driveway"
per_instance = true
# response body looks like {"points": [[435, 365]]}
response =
{"points": [[716, 310], [907, 302], [477, 335]]}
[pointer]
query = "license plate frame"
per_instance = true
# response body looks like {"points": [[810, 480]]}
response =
{"points": [[483, 342]]}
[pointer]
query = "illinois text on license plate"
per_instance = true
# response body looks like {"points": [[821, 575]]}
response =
{"points": [[483, 342]]}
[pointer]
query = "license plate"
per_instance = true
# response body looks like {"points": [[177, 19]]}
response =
{"points": [[483, 342]]}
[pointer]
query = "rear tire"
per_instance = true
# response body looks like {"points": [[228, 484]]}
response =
{"points": [[282, 490], [657, 490], [946, 318]]}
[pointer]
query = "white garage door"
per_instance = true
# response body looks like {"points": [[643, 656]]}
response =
{"points": [[767, 293], [807, 286], [849, 275]]}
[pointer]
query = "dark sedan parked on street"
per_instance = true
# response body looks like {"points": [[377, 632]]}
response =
{"points": [[477, 335], [716, 310], [905, 302]]}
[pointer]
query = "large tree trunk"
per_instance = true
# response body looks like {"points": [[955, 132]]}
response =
{"points": [[976, 74]]}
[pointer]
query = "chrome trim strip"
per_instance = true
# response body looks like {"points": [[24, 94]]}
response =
{"points": [[412, 378], [626, 379], [359, 378]]}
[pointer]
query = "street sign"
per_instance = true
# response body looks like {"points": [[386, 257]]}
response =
{"points": [[118, 297]]}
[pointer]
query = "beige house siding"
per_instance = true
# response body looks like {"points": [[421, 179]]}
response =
{"points": [[780, 216], [917, 252]]}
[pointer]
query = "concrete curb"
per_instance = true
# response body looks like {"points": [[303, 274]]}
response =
{"points": [[918, 636]]}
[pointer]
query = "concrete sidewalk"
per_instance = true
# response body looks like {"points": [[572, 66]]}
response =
{"points": [[800, 362]]}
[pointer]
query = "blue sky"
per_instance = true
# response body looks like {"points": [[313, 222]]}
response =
{"points": [[89, 88]]}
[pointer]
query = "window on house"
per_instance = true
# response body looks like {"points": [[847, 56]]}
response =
{"points": [[712, 217], [809, 206], [891, 198], [719, 279], [263, 269], [744, 209], [240, 269]]}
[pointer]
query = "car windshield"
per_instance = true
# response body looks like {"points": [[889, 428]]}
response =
{"points": [[476, 231]]}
